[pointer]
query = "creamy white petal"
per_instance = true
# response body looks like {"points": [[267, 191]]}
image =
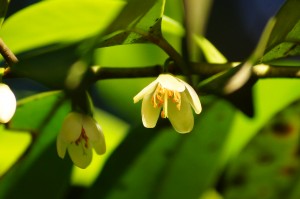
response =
{"points": [[61, 147], [71, 127], [99, 146], [193, 98], [149, 113], [8, 103], [170, 82], [91, 128], [182, 120], [95, 134], [80, 155], [146, 91]]}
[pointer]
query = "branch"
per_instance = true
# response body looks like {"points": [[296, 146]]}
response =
{"points": [[204, 70], [201, 69], [269, 71], [7, 54], [100, 73]]}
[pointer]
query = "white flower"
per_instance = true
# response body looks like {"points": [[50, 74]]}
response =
{"points": [[79, 134], [175, 97], [8, 103]]}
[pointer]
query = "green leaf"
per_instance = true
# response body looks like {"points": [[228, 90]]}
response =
{"points": [[135, 22], [3, 9], [121, 159], [63, 21], [195, 18], [42, 115], [286, 19], [266, 167], [211, 54], [240, 97], [49, 66], [160, 163], [284, 39], [265, 91], [172, 26], [32, 104]]}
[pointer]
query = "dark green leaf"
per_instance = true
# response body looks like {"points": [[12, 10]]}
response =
{"points": [[218, 85], [136, 20], [239, 80], [284, 39], [286, 19], [3, 9], [49, 65]]}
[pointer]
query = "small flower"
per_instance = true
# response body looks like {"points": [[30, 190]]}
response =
{"points": [[79, 134], [8, 103], [175, 97]]}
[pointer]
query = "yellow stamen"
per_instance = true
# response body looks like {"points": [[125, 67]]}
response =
{"points": [[162, 114], [160, 98]]}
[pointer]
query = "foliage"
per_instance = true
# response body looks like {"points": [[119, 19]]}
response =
{"points": [[244, 144]]}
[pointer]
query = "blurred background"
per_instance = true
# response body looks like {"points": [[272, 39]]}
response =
{"points": [[228, 155]]}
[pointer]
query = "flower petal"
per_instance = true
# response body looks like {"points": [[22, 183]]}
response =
{"points": [[95, 134], [7, 103], [71, 127], [147, 90], [99, 146], [149, 113], [80, 155], [61, 146], [91, 127], [182, 120], [192, 97], [170, 82]]}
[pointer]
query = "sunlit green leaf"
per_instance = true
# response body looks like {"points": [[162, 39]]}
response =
{"points": [[137, 139], [43, 117], [211, 54], [266, 100], [29, 105], [12, 145], [268, 164], [63, 21], [113, 137], [160, 163]]}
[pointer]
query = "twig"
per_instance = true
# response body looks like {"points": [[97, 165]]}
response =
{"points": [[7, 54]]}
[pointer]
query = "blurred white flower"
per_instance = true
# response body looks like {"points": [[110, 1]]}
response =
{"points": [[79, 134], [175, 97], [8, 103]]}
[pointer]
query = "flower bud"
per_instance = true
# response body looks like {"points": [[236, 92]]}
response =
{"points": [[8, 103]]}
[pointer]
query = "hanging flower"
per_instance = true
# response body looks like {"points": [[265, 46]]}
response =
{"points": [[8, 103], [175, 97], [79, 134]]}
